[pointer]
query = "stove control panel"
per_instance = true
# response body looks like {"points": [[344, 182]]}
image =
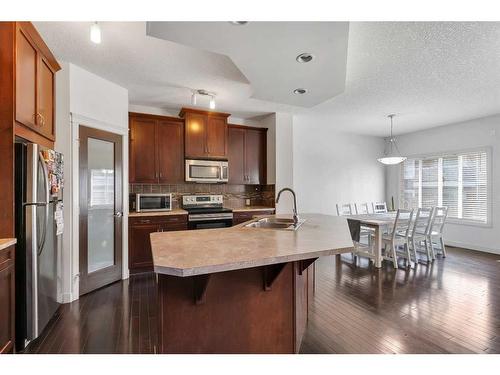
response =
{"points": [[202, 200]]}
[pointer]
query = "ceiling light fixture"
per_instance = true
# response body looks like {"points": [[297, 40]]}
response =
{"points": [[304, 58], [299, 91], [238, 23], [392, 155], [95, 33], [212, 102], [193, 98], [203, 92]]}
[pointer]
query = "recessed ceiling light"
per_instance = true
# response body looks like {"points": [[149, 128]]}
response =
{"points": [[239, 23], [299, 91], [304, 58]]}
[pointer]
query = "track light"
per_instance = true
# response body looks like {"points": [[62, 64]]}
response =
{"points": [[95, 33]]}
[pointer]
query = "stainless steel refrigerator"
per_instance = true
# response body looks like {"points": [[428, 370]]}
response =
{"points": [[39, 224]]}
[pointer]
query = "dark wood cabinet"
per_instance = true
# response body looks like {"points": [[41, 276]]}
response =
{"points": [[156, 149], [170, 146], [34, 85], [205, 134], [140, 258], [242, 216], [247, 154], [7, 300]]}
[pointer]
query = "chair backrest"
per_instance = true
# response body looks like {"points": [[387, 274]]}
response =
{"points": [[402, 223], [379, 208], [439, 219], [344, 209], [422, 223], [362, 208]]}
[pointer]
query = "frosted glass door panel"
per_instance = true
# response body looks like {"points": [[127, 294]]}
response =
{"points": [[101, 205]]}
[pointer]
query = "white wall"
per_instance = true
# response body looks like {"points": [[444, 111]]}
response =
{"points": [[483, 132], [331, 167], [83, 98]]}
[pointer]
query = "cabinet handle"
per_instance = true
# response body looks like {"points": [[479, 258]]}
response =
{"points": [[144, 221]]}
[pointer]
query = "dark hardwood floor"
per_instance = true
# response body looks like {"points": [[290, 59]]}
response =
{"points": [[449, 306]]}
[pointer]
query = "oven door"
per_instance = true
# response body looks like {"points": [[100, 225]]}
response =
{"points": [[205, 221], [205, 171]]}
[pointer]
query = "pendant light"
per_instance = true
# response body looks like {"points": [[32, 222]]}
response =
{"points": [[95, 33], [393, 156], [212, 102]]}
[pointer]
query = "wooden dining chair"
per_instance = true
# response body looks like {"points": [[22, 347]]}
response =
{"points": [[420, 232], [436, 230], [344, 209], [379, 208], [398, 237], [361, 208]]}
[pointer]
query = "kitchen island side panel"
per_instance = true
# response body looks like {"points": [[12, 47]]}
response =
{"points": [[236, 314]]}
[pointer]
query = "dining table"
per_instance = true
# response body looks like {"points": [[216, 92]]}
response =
{"points": [[378, 222]]}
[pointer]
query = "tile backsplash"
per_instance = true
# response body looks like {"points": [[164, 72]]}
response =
{"points": [[234, 195]]}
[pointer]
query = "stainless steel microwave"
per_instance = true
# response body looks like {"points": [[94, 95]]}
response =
{"points": [[152, 202], [206, 171]]}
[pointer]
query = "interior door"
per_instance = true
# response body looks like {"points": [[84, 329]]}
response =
{"points": [[100, 208]]}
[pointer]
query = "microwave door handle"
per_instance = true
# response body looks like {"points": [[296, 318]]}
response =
{"points": [[47, 201]]}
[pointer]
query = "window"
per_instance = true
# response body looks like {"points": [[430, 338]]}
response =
{"points": [[458, 181]]}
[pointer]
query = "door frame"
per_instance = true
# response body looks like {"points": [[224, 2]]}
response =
{"points": [[100, 278]]}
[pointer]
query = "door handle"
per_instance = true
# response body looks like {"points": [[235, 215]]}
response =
{"points": [[118, 214]]}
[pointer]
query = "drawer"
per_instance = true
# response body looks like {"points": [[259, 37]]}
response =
{"points": [[167, 219]]}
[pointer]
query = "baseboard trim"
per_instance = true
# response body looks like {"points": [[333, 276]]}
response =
{"points": [[483, 249]]}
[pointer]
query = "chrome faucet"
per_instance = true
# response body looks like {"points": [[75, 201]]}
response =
{"points": [[295, 216]]}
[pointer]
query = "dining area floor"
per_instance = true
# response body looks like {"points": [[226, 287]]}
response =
{"points": [[450, 305]]}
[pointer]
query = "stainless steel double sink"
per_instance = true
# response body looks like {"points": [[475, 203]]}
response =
{"points": [[275, 223]]}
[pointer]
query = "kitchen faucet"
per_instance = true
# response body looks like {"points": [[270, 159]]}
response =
{"points": [[295, 216]]}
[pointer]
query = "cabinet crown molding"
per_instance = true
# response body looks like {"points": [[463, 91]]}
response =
{"points": [[184, 111]]}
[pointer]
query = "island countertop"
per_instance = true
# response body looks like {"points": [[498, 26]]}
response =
{"points": [[206, 251]]}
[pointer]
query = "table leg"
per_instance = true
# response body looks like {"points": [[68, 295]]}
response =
{"points": [[378, 247]]}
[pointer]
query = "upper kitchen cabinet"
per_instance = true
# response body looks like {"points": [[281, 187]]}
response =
{"points": [[35, 69], [247, 155], [205, 134], [156, 149]]}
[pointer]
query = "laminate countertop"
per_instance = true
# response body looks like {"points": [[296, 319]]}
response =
{"points": [[205, 251], [6, 242]]}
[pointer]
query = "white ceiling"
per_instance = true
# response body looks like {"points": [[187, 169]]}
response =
{"points": [[266, 54], [429, 74]]}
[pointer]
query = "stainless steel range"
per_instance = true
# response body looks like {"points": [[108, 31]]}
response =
{"points": [[207, 211]]}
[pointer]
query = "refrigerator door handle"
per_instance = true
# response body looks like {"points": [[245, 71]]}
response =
{"points": [[47, 201]]}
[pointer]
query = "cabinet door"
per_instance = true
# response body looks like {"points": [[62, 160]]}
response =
{"points": [[26, 61], [217, 137], [255, 155], [7, 300], [143, 163], [45, 97], [139, 248], [196, 141], [236, 155], [170, 145]]}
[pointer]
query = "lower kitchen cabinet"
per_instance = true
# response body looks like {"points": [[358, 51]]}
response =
{"points": [[242, 216], [7, 300], [140, 258]]}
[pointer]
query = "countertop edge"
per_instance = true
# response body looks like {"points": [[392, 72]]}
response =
{"points": [[7, 242], [195, 271]]}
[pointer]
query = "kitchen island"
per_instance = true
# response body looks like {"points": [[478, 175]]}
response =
{"points": [[240, 289]]}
